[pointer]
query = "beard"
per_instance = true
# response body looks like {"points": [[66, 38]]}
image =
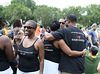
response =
{"points": [[94, 29], [66, 25]]}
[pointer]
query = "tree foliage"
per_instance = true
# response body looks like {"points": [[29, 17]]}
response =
{"points": [[28, 3], [15, 11], [93, 12], [1, 9], [27, 9], [44, 14]]}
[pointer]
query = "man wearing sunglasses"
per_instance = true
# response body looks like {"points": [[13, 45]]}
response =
{"points": [[30, 48], [62, 23]]}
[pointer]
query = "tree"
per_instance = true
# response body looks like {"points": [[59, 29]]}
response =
{"points": [[28, 3], [15, 11], [44, 14], [93, 12], [1, 9], [78, 11]]}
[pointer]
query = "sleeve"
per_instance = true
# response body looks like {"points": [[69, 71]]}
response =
{"points": [[59, 34], [90, 33]]}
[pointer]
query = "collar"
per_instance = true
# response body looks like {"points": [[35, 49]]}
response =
{"points": [[93, 56]]}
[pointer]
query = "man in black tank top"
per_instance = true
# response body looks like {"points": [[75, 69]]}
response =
{"points": [[75, 39], [30, 48]]}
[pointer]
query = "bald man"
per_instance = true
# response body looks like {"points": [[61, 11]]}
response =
{"points": [[62, 22]]}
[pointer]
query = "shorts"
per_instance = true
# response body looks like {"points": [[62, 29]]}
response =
{"points": [[7, 71], [21, 72]]}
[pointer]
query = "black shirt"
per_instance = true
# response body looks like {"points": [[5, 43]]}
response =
{"points": [[75, 39], [4, 64], [28, 58], [51, 52]]}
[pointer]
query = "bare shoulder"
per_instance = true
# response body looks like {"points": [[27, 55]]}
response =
{"points": [[4, 37], [39, 45], [39, 41]]}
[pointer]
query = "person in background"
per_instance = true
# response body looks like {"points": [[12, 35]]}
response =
{"points": [[42, 30], [17, 32], [30, 48], [37, 32], [48, 29], [86, 37], [92, 60], [6, 31], [62, 22], [17, 29], [92, 36], [2, 31], [10, 32], [84, 31]]}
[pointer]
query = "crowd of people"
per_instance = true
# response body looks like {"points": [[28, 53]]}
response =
{"points": [[59, 49]]}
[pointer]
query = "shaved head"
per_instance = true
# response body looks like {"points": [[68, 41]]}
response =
{"points": [[61, 20], [33, 23]]}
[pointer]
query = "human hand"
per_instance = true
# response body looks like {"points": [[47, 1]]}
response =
{"points": [[84, 52], [91, 45], [16, 38], [98, 68]]}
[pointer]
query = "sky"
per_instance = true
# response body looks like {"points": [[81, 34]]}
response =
{"points": [[59, 3]]}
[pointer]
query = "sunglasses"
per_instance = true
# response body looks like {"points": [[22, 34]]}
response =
{"points": [[62, 22], [29, 27]]}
